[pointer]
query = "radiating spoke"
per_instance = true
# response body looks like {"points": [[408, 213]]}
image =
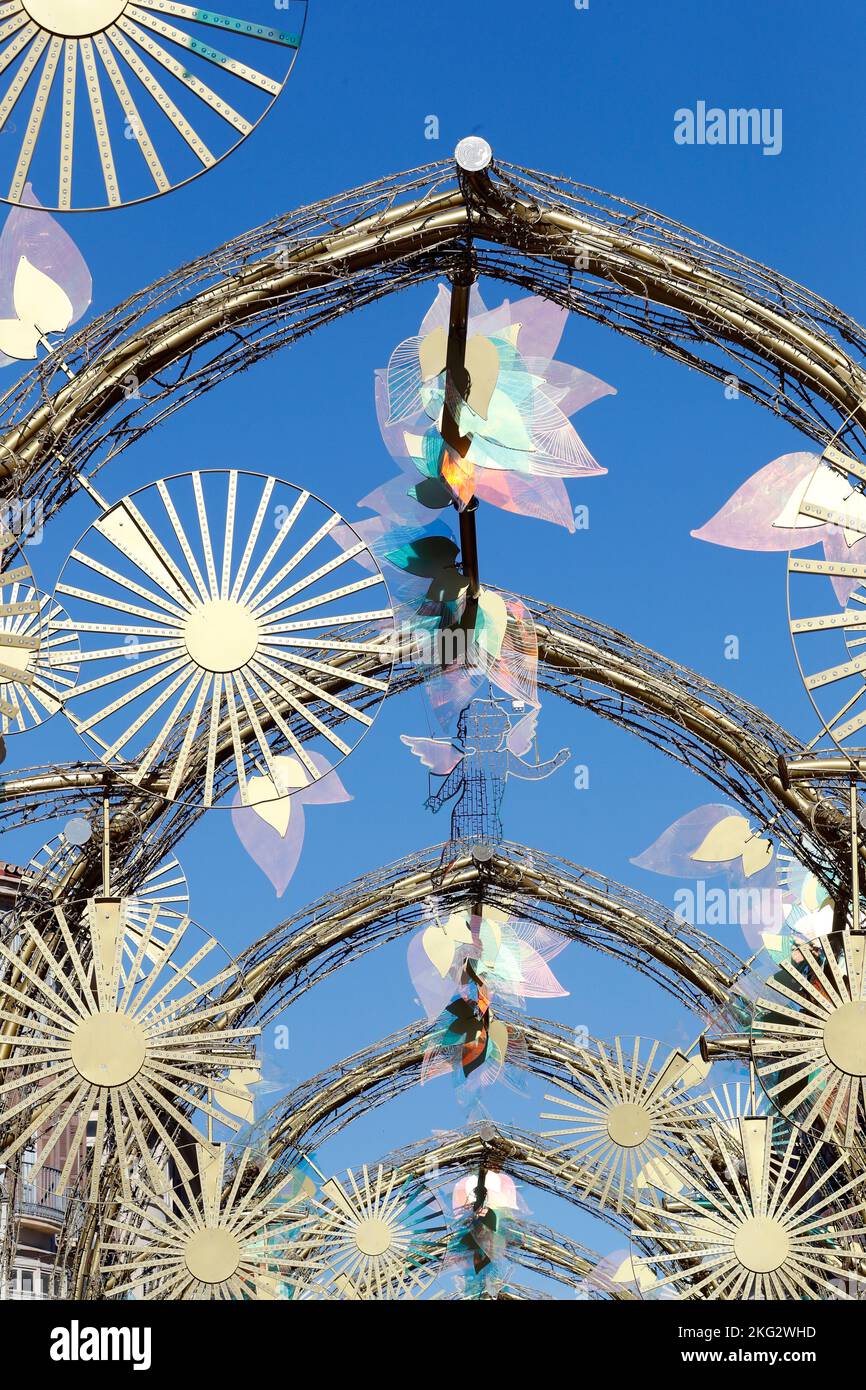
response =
{"points": [[177, 70], [164, 101], [155, 60], [212, 673], [37, 114], [100, 125], [135, 124]]}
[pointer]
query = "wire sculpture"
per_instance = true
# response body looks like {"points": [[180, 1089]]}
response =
{"points": [[79, 1037]]}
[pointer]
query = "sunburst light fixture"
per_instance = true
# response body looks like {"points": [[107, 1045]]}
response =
{"points": [[809, 1036], [52, 868], [115, 101], [625, 1117], [245, 1243], [378, 1236], [764, 1223], [38, 662], [223, 626], [138, 1046], [159, 901], [30, 690]]}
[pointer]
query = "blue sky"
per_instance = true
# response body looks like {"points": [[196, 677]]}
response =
{"points": [[590, 94]]}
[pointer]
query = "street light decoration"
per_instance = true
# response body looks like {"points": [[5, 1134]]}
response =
{"points": [[112, 102], [808, 1037], [757, 1219], [222, 627], [378, 1236], [624, 1117], [241, 1239], [138, 1047]]}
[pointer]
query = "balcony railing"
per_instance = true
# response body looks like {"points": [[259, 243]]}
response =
{"points": [[39, 1196]]}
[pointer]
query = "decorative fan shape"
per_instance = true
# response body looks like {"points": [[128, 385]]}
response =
{"points": [[474, 1047], [222, 654], [625, 1117], [157, 905], [379, 1237], [20, 606], [479, 1247], [759, 1222], [508, 954], [405, 498], [182, 1244], [829, 639], [139, 1046], [809, 1037], [39, 662], [114, 101]]}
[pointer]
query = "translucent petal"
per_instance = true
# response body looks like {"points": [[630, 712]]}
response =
{"points": [[440, 756], [748, 520], [673, 852], [275, 854], [19, 341], [40, 300], [30, 232]]}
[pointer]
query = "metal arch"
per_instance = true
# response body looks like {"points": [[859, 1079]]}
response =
{"points": [[699, 724], [796, 347], [547, 1252], [320, 1108], [733, 744], [613, 261], [591, 909], [511, 1150], [387, 903]]}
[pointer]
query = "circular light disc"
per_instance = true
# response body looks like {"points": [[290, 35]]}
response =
{"points": [[221, 636], [473, 154], [628, 1125], [212, 1255], [761, 1245], [373, 1236], [845, 1038], [74, 19], [108, 1049]]}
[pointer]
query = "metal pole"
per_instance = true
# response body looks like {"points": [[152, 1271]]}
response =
{"points": [[456, 391], [855, 861], [106, 845]]}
